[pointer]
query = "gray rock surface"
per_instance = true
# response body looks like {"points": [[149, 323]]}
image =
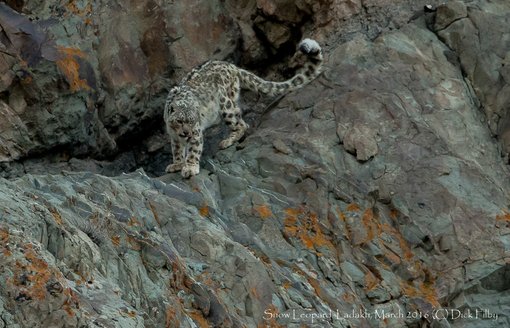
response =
{"points": [[376, 196]]}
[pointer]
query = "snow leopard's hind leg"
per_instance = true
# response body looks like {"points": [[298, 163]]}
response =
{"points": [[231, 114]]}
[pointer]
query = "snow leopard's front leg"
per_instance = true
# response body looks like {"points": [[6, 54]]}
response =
{"points": [[178, 149], [195, 145]]}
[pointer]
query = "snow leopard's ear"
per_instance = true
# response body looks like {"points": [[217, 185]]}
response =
{"points": [[169, 108], [173, 92]]}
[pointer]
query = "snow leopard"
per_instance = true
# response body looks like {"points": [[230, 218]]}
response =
{"points": [[210, 92]]}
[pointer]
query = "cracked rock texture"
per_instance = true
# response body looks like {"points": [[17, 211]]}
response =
{"points": [[379, 190]]}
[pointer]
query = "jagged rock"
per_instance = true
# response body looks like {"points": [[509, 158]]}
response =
{"points": [[14, 142], [360, 141], [81, 84], [448, 13], [477, 42]]}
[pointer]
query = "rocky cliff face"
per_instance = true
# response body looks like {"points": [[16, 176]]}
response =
{"points": [[377, 196]]}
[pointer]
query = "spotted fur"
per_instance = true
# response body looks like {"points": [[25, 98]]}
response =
{"points": [[210, 92]]}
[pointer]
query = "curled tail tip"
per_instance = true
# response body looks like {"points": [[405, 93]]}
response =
{"points": [[309, 47]]}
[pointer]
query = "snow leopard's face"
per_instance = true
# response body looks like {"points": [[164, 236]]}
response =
{"points": [[183, 115], [183, 122], [182, 126]]}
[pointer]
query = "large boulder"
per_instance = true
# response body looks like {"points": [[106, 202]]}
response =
{"points": [[479, 36]]}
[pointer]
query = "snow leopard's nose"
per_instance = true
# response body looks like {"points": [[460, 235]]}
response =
{"points": [[184, 134]]}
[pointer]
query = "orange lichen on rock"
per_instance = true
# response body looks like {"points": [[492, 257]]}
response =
{"points": [[348, 297], [204, 211], [33, 278], [254, 293], [404, 246], [27, 80], [371, 281], [68, 308], [371, 224], [408, 254], [70, 67], [41, 275], [424, 291], [374, 229], [171, 317], [6, 252], [154, 213], [353, 207], [72, 52], [263, 211], [291, 221], [198, 318], [293, 211], [33, 275], [115, 240], [391, 256], [206, 279], [322, 293], [504, 217], [4, 236], [135, 244], [73, 8], [4, 242], [71, 301], [361, 230], [56, 216], [133, 222], [305, 226], [340, 214]]}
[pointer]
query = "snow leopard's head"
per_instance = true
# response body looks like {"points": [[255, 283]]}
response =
{"points": [[182, 115]]}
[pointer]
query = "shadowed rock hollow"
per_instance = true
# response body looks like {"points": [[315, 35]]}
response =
{"points": [[381, 188]]}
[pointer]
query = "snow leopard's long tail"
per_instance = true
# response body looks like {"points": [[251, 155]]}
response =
{"points": [[310, 70]]}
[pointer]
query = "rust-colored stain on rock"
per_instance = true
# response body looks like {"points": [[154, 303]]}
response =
{"points": [[70, 67]]}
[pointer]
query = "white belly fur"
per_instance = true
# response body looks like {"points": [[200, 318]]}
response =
{"points": [[211, 115]]}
